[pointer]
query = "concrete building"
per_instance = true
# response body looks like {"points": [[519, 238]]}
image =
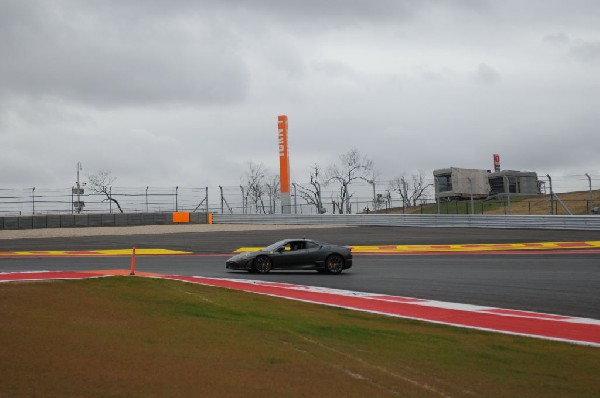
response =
{"points": [[457, 183], [514, 182], [454, 182]]}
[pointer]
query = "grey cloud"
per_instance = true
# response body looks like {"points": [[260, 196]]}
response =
{"points": [[487, 75], [336, 11], [557, 39], [118, 53], [333, 69], [584, 51], [306, 15], [77, 56]]}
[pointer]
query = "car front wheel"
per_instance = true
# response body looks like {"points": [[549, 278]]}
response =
{"points": [[263, 264], [334, 264]]}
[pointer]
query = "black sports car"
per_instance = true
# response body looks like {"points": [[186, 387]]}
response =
{"points": [[303, 254]]}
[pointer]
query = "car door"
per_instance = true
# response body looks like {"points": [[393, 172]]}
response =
{"points": [[291, 255], [309, 254]]}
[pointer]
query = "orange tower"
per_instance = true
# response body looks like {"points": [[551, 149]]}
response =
{"points": [[284, 164]]}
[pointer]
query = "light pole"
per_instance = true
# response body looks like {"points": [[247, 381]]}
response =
{"points": [[33, 200], [507, 191], [405, 201], [78, 207], [295, 199], [243, 201], [176, 202], [372, 182], [591, 192], [471, 194], [270, 191], [206, 197]]}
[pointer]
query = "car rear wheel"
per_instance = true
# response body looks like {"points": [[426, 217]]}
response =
{"points": [[334, 264], [263, 264]]}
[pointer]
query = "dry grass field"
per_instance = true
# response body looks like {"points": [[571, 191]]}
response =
{"points": [[576, 202], [133, 336]]}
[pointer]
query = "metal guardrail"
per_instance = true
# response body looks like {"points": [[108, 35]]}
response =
{"points": [[590, 223]]}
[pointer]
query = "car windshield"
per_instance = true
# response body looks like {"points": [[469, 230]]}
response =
{"points": [[274, 246]]}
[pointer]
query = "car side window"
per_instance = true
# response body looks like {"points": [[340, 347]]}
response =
{"points": [[290, 247], [293, 246], [298, 245], [311, 245]]}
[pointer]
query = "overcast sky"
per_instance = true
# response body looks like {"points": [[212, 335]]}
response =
{"points": [[186, 92]]}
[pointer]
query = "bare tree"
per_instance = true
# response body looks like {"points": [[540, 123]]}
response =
{"points": [[410, 191], [352, 166], [399, 184], [312, 193], [101, 183], [255, 187], [273, 192], [418, 188]]}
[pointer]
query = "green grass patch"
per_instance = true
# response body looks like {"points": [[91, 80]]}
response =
{"points": [[130, 336]]}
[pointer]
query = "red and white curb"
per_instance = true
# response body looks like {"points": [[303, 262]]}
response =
{"points": [[533, 324]]}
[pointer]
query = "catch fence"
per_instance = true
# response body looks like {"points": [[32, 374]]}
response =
{"points": [[366, 197]]}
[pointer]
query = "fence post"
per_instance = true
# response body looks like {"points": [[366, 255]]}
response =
{"points": [[551, 195], [221, 189]]}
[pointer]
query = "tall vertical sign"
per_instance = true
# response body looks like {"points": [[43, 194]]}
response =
{"points": [[284, 164], [496, 162]]}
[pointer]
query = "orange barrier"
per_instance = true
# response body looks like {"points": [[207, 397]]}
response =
{"points": [[209, 219], [181, 217]]}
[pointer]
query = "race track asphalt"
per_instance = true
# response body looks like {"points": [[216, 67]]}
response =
{"points": [[227, 242], [565, 284]]}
